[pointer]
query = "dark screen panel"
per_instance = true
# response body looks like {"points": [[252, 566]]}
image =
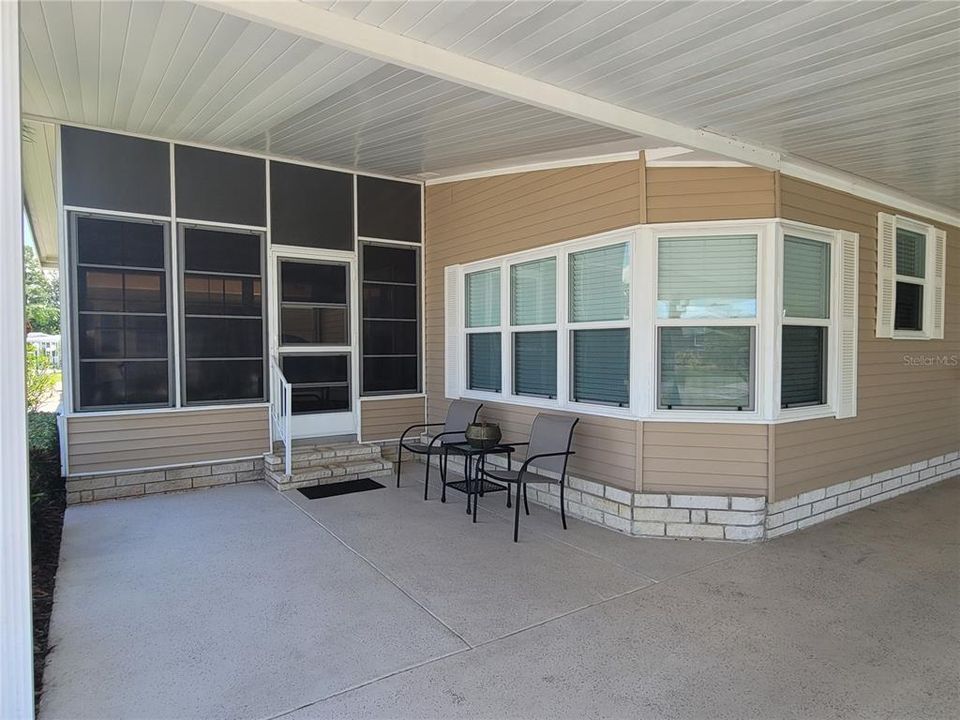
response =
{"points": [[388, 209], [135, 291], [310, 207], [211, 380], [305, 369], [391, 374], [223, 337], [221, 251], [105, 384], [221, 295], [307, 282], [908, 314], [115, 172], [220, 187], [122, 336], [389, 264], [387, 337], [126, 243]]}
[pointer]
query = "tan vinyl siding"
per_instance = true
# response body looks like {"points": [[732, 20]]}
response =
{"points": [[477, 219], [704, 457], [689, 194], [129, 441], [387, 418], [905, 413]]}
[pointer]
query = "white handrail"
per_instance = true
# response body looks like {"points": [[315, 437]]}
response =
{"points": [[281, 405]]}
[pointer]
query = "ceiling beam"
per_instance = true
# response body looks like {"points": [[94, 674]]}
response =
{"points": [[329, 28]]}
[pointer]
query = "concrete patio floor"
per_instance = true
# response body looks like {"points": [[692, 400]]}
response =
{"points": [[240, 602]]}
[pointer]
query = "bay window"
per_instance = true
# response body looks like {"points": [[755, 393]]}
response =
{"points": [[730, 321], [706, 315]]}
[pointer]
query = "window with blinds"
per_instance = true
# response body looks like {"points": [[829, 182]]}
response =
{"points": [[482, 310], [911, 271], [806, 322], [704, 364], [533, 304], [707, 277], [599, 321]]}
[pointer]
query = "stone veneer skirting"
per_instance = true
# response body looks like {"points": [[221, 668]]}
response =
{"points": [[87, 488], [809, 508], [728, 517]]}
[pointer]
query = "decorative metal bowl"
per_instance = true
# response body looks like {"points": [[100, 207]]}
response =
{"points": [[483, 435]]}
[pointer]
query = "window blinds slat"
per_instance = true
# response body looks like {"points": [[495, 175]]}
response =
{"points": [[483, 361], [535, 363], [707, 277], [705, 367], [533, 292], [599, 284], [601, 366], [806, 278], [483, 298]]}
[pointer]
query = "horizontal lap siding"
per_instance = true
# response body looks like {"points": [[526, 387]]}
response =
{"points": [[387, 418], [905, 413], [690, 194], [131, 441], [704, 457], [479, 219]]}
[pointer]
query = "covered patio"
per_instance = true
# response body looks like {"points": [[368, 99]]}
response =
{"points": [[240, 602]]}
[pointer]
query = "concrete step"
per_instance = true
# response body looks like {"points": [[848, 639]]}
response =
{"points": [[323, 463], [292, 482], [312, 456]]}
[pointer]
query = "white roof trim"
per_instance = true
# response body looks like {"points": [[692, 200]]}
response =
{"points": [[861, 187], [531, 167]]}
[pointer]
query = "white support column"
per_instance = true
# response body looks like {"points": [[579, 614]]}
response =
{"points": [[16, 626]]}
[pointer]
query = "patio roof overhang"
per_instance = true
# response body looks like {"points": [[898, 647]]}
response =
{"points": [[431, 91]]}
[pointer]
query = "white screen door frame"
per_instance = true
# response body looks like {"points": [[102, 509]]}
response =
{"points": [[320, 424]]}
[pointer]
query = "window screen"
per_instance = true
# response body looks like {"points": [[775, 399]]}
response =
{"points": [[707, 277], [908, 314], [535, 363], [313, 303], [601, 367], [803, 366], [122, 319], [223, 333], [706, 367], [109, 171], [911, 263], [310, 207], [911, 253], [388, 209], [321, 383], [483, 361], [220, 187], [391, 319]]}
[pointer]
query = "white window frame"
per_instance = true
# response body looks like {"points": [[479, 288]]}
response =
{"points": [[506, 312], [643, 324], [926, 282], [833, 240]]}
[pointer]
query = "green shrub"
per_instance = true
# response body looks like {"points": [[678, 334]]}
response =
{"points": [[41, 379], [43, 440]]}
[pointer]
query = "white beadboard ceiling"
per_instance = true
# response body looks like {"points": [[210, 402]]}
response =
{"points": [[183, 71], [871, 88]]}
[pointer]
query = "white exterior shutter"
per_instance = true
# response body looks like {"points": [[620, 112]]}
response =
{"points": [[938, 283], [886, 273], [451, 319], [847, 325]]}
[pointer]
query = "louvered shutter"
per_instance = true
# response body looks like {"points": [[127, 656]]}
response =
{"points": [[451, 314], [886, 273], [938, 284], [847, 325]]}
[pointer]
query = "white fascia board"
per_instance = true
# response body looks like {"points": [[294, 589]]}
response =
{"points": [[323, 26], [861, 187]]}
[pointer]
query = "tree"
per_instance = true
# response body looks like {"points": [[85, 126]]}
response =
{"points": [[41, 296]]}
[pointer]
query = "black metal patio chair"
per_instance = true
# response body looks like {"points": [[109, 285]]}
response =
{"points": [[550, 439], [460, 414]]}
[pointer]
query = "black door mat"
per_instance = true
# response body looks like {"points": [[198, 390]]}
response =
{"points": [[340, 488]]}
